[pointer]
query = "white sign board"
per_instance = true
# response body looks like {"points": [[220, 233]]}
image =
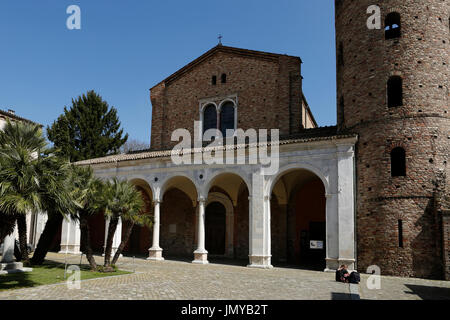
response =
{"points": [[315, 244]]}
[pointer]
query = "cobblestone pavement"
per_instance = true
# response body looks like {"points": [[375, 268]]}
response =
{"points": [[177, 280]]}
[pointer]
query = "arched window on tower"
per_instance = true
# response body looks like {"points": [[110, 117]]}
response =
{"points": [[392, 26], [398, 162], [227, 116], [395, 92], [209, 118], [224, 78]]}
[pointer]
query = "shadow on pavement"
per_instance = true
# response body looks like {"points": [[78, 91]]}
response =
{"points": [[429, 292], [344, 296]]}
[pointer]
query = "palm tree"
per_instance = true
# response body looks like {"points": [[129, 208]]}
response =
{"points": [[121, 201], [142, 219], [87, 192], [20, 176], [58, 202]]}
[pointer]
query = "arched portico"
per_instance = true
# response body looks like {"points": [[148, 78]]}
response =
{"points": [[337, 178], [298, 217], [175, 203], [253, 196]]}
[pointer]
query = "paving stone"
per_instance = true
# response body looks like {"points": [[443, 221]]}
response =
{"points": [[177, 280]]}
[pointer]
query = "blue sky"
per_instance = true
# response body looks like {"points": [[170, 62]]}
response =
{"points": [[126, 47]]}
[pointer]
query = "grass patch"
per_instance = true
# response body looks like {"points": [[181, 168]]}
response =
{"points": [[48, 273]]}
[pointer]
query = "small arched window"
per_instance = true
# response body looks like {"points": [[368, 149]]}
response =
{"points": [[392, 26], [224, 78], [227, 117], [214, 80], [395, 92], [209, 118], [398, 162]]}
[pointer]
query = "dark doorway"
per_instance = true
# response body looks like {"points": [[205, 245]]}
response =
{"points": [[313, 257], [215, 228]]}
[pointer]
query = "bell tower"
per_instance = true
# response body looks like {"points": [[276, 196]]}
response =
{"points": [[393, 91]]}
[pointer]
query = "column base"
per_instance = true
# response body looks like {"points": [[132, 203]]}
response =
{"points": [[260, 262], [70, 249], [334, 264], [13, 267], [155, 254], [201, 257]]}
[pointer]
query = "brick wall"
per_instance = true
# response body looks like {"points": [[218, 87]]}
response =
{"points": [[446, 242], [268, 88], [177, 210], [421, 56]]}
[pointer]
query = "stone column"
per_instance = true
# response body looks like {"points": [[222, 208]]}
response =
{"points": [[155, 252], [8, 249], [259, 224], [70, 237], [117, 238], [346, 210], [201, 255], [332, 233], [8, 265]]}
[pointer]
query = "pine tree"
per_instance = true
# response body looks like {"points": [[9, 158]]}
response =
{"points": [[89, 129]]}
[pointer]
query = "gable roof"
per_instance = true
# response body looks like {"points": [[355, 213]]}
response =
{"points": [[226, 49], [10, 115], [305, 136]]}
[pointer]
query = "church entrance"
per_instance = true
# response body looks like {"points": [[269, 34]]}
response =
{"points": [[215, 223], [298, 222]]}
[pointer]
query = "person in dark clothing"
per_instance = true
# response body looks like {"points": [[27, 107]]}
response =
{"points": [[342, 274]]}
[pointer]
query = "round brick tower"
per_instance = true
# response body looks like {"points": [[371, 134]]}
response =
{"points": [[393, 90]]}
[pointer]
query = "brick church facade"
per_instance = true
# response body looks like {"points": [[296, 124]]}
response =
{"points": [[372, 190]]}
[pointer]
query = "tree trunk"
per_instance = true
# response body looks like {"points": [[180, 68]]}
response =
{"points": [[109, 242], [84, 228], [7, 225], [22, 227], [45, 241], [123, 243]]}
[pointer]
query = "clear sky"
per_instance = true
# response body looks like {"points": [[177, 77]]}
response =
{"points": [[126, 47]]}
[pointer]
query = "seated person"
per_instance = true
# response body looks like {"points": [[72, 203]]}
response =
{"points": [[342, 274]]}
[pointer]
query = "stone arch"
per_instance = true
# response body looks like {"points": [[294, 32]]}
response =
{"points": [[178, 194], [175, 180], [297, 166], [225, 101], [211, 179], [206, 104], [143, 182], [300, 218]]}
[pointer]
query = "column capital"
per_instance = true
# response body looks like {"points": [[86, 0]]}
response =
{"points": [[157, 201], [201, 200]]}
